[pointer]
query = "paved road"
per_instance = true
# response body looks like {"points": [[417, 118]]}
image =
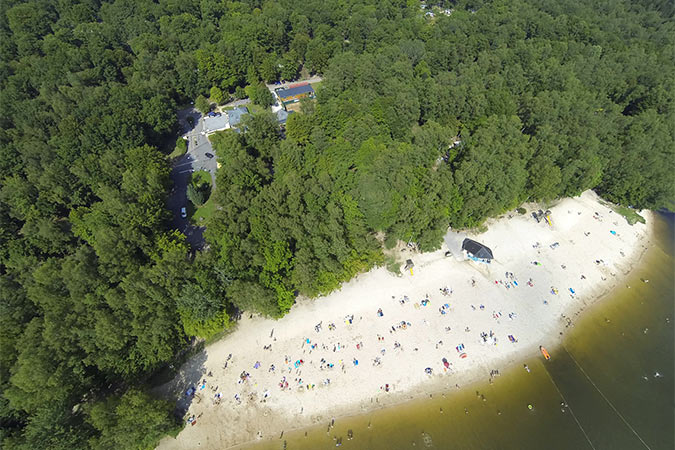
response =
{"points": [[194, 159]]}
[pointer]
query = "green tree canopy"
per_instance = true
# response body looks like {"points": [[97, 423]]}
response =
{"points": [[419, 123], [134, 420]]}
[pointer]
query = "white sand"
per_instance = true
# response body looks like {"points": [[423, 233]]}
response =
{"points": [[354, 389]]}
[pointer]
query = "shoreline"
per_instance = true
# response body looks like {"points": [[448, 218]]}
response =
{"points": [[349, 394], [470, 379]]}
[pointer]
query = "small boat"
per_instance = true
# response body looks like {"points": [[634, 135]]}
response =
{"points": [[446, 363], [544, 352]]}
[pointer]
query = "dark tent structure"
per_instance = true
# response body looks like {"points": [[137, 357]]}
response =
{"points": [[477, 250]]}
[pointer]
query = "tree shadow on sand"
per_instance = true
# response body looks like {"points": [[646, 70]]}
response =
{"points": [[186, 383]]}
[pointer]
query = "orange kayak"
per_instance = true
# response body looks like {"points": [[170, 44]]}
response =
{"points": [[544, 352]]}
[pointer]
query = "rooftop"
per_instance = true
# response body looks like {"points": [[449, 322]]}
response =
{"points": [[477, 249], [213, 124], [236, 114], [282, 116], [296, 90]]}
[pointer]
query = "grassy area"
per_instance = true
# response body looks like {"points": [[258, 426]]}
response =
{"points": [[390, 261], [250, 106], [179, 149], [200, 177], [204, 212], [199, 214], [631, 216], [255, 109]]}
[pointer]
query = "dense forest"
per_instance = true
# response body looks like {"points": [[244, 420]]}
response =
{"points": [[98, 293]]}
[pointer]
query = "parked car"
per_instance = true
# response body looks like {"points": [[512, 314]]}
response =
{"points": [[209, 155], [213, 114], [183, 212]]}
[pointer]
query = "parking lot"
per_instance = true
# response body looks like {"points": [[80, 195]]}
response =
{"points": [[199, 156]]}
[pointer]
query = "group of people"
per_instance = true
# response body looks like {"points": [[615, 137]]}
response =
{"points": [[324, 363], [321, 359], [327, 348], [321, 354]]}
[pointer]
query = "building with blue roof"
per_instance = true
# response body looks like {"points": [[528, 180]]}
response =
{"points": [[235, 115], [282, 116], [215, 123], [294, 94]]}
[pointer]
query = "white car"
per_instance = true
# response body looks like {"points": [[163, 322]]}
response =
{"points": [[183, 212]]}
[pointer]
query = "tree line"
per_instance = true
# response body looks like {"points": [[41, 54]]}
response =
{"points": [[98, 293]]}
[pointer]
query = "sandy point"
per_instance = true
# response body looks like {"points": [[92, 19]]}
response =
{"points": [[449, 322]]}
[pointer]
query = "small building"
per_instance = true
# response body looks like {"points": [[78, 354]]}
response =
{"points": [[295, 93], [282, 116], [236, 114], [477, 251], [213, 123]]}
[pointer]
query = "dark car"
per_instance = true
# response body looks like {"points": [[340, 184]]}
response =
{"points": [[213, 114], [209, 155]]}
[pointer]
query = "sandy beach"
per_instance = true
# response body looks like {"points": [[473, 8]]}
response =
{"points": [[339, 355]]}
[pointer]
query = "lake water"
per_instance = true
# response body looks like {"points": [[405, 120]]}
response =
{"points": [[605, 371]]}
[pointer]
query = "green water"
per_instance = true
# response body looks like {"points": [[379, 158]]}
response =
{"points": [[604, 370]]}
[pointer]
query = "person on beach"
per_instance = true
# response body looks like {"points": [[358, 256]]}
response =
{"points": [[353, 328]]}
